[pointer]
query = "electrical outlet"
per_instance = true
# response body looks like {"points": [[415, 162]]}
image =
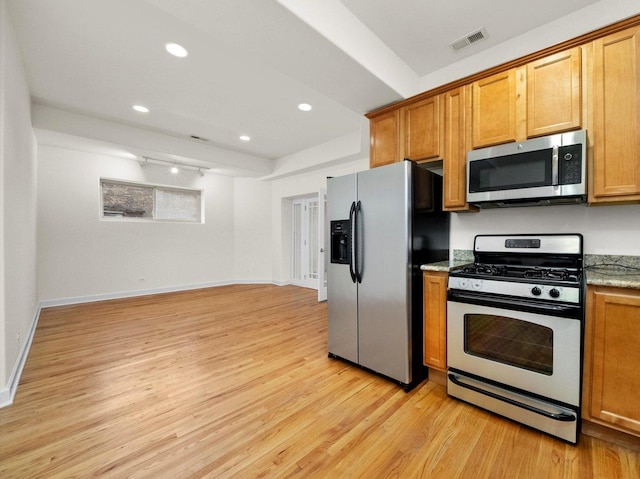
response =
{"points": [[18, 337]]}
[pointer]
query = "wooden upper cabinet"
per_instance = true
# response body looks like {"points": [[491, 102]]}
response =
{"points": [[612, 357], [423, 132], [413, 131], [541, 98], [454, 161], [435, 319], [554, 90], [494, 109], [386, 142], [614, 133]]}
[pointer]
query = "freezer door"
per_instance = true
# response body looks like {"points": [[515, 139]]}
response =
{"points": [[384, 304], [342, 292]]}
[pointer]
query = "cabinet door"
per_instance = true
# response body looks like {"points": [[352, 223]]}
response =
{"points": [[613, 357], [494, 109], [435, 319], [554, 93], [423, 129], [385, 139], [615, 134], [454, 162]]}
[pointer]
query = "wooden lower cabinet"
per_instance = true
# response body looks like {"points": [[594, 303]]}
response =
{"points": [[611, 393], [435, 319]]}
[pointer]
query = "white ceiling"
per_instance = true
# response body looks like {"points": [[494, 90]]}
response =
{"points": [[250, 63]]}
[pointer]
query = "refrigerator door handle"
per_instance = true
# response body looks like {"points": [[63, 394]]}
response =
{"points": [[352, 212], [356, 242]]}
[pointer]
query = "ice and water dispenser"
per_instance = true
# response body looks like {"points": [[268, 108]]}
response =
{"points": [[340, 242]]}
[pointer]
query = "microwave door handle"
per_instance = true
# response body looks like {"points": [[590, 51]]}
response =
{"points": [[554, 166]]}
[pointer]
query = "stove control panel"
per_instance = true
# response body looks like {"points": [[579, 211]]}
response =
{"points": [[567, 294]]}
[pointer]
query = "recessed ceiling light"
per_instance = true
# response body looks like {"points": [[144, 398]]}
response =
{"points": [[245, 138], [176, 50], [174, 169], [141, 109], [304, 107]]}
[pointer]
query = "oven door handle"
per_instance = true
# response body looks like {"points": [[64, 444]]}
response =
{"points": [[557, 417]]}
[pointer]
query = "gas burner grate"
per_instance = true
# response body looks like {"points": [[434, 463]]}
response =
{"points": [[557, 274]]}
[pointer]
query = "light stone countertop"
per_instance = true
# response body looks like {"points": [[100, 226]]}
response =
{"points": [[460, 257], [613, 270], [445, 266]]}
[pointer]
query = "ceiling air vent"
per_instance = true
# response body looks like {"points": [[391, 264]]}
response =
{"points": [[199, 138], [467, 40]]}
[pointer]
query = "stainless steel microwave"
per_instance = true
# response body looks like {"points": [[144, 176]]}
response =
{"points": [[540, 171]]}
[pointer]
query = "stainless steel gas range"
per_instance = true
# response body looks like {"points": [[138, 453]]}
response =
{"points": [[515, 327]]}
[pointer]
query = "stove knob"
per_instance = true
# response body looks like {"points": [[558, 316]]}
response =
{"points": [[554, 293], [536, 291]]}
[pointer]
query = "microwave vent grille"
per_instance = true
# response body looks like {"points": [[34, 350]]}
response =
{"points": [[469, 39]]}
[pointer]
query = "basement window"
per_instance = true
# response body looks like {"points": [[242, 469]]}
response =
{"points": [[142, 202]]}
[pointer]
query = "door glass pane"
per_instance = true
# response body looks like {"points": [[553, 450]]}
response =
{"points": [[313, 239], [297, 241], [509, 341]]}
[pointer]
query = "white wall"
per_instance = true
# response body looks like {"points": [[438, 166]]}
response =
{"points": [[252, 230], [606, 229], [18, 293], [82, 256]]}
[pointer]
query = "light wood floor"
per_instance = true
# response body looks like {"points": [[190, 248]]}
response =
{"points": [[235, 382]]}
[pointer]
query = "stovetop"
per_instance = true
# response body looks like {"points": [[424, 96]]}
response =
{"points": [[521, 273], [538, 267]]}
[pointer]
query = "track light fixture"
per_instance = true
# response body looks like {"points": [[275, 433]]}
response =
{"points": [[175, 166]]}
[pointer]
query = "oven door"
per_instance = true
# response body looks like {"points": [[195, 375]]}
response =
{"points": [[533, 352]]}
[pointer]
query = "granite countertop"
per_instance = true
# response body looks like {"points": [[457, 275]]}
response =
{"points": [[444, 265], [610, 270], [461, 257]]}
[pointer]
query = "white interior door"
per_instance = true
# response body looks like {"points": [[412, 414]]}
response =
{"points": [[304, 248], [323, 256]]}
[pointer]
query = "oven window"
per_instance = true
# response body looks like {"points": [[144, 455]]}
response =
{"points": [[509, 341]]}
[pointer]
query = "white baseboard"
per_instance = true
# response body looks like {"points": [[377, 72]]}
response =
{"points": [[145, 292], [7, 394]]}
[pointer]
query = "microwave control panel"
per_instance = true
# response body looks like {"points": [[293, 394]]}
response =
{"points": [[570, 164]]}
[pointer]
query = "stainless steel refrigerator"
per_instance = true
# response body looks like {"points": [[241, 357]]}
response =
{"points": [[383, 223]]}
